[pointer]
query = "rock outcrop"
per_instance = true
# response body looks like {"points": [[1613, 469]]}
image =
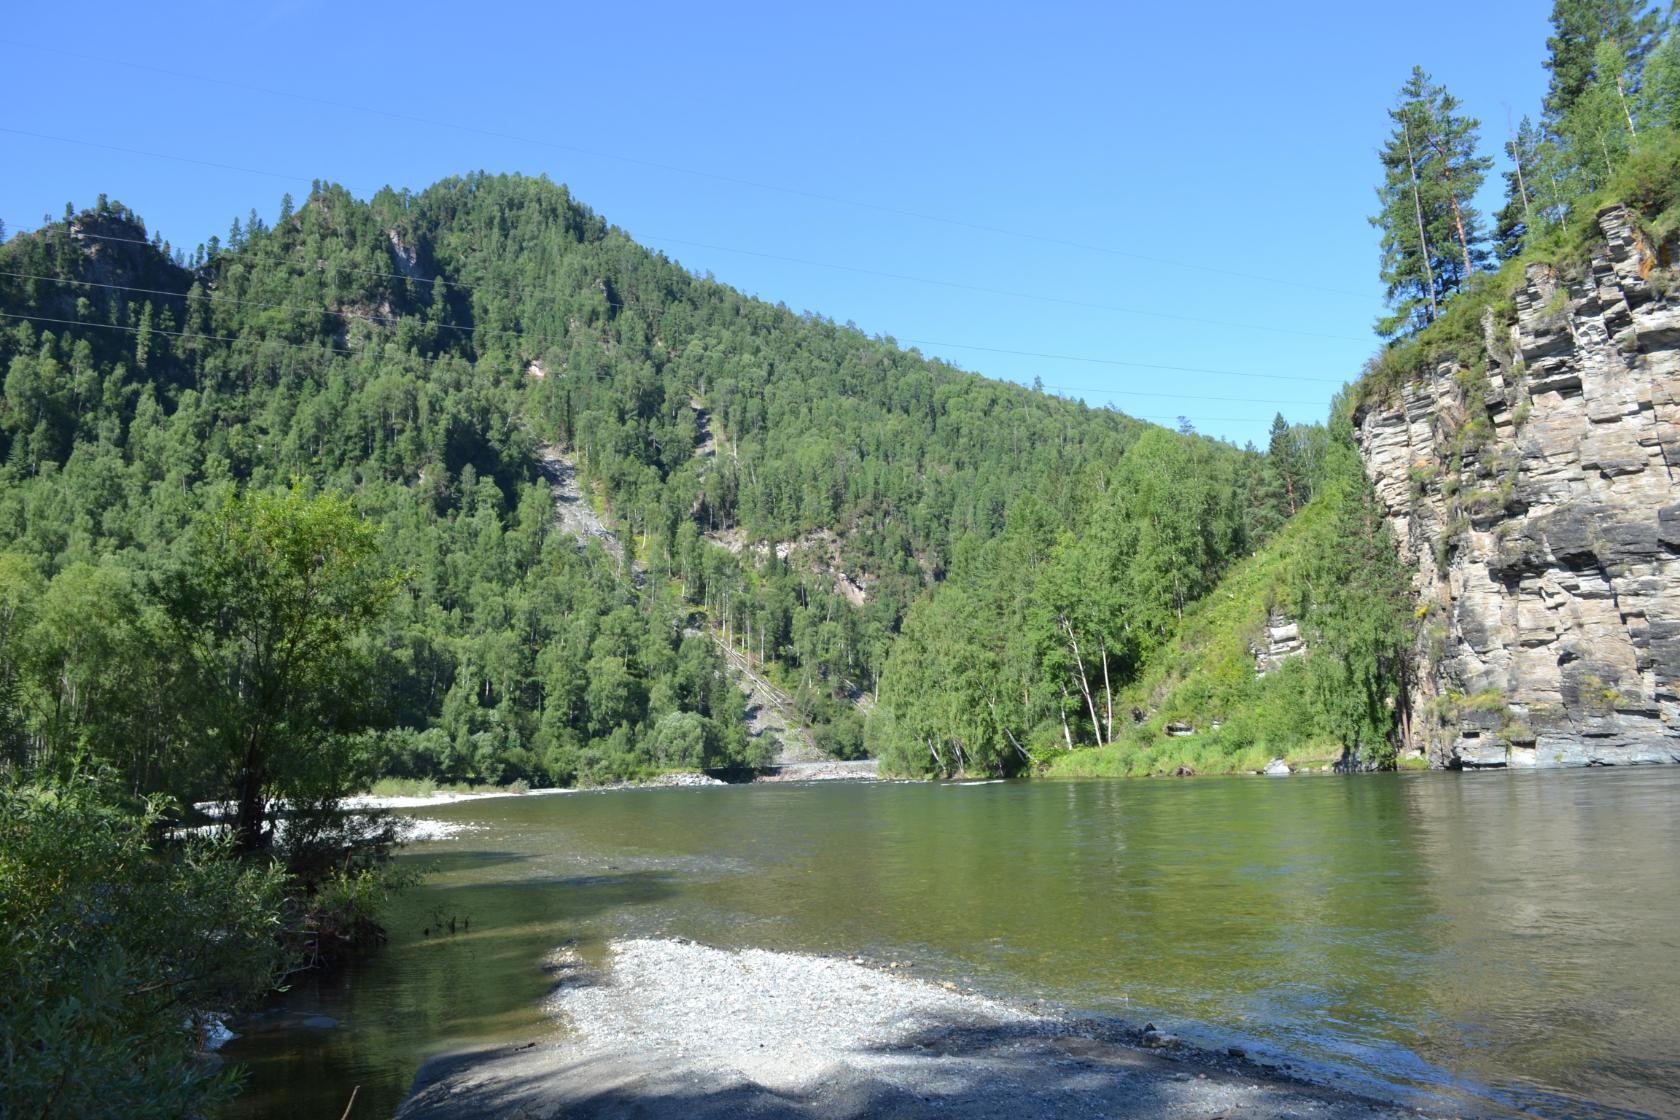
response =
{"points": [[1280, 641], [1533, 488]]}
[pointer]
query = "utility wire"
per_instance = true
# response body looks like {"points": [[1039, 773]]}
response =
{"points": [[799, 192], [626, 305], [539, 294], [153, 155], [320, 348], [1007, 292], [1121, 362], [1061, 301]]}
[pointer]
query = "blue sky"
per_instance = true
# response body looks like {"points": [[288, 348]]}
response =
{"points": [[1163, 185]]}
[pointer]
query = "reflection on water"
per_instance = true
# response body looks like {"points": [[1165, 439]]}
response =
{"points": [[1507, 939]]}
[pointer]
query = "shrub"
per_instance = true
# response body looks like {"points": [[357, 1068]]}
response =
{"points": [[109, 942]]}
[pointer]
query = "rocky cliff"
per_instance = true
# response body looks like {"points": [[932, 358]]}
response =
{"points": [[1531, 483]]}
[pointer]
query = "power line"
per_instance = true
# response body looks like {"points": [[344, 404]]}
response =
{"points": [[1121, 362], [696, 172], [215, 297], [1182, 396], [629, 304], [391, 319], [320, 348], [315, 349], [153, 155], [856, 270], [1007, 292]]}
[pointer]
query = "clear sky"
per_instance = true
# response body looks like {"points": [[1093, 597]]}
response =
{"points": [[1009, 187]]}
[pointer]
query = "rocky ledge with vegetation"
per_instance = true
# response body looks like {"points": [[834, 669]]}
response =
{"points": [[1525, 453]]}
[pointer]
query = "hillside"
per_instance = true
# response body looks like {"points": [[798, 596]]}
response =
{"points": [[789, 486]]}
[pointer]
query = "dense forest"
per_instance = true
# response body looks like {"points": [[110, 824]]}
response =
{"points": [[953, 573], [275, 523], [414, 352]]}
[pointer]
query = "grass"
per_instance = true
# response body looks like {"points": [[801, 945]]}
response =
{"points": [[1206, 677], [1199, 754], [1648, 184]]}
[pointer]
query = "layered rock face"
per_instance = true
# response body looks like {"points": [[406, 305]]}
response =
{"points": [[1535, 489]]}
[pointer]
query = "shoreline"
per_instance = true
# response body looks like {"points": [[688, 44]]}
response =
{"points": [[827, 770], [670, 1028], [862, 771]]}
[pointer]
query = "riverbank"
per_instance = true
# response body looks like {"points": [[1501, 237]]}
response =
{"points": [[673, 1029], [825, 770]]}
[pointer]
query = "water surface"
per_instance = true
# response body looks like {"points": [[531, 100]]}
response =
{"points": [[1496, 943]]}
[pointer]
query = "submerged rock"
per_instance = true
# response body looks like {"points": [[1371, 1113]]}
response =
{"points": [[213, 1033]]}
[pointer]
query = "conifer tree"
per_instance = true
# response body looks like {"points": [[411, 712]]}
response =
{"points": [[1431, 234], [1578, 27]]}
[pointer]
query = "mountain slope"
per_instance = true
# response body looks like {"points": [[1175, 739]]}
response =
{"points": [[418, 350]]}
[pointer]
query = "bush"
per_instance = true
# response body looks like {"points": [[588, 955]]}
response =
{"points": [[109, 943]]}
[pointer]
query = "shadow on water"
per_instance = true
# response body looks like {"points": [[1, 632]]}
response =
{"points": [[431, 988]]}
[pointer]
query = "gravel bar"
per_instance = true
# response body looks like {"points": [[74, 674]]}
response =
{"points": [[673, 1029]]}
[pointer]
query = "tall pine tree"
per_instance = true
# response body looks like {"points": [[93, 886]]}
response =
{"points": [[1578, 27], [1431, 234]]}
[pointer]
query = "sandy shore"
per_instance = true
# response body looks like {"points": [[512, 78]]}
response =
{"points": [[673, 1030]]}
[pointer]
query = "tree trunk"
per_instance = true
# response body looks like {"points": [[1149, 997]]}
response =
{"points": [[1067, 733], [1452, 197], [1084, 682], [1423, 236], [1621, 93], [1108, 693], [1522, 189], [248, 823]]}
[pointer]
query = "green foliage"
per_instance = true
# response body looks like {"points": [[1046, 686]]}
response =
{"points": [[266, 605], [109, 945], [1431, 234], [1456, 336], [405, 379], [1036, 632], [1579, 29], [1332, 569]]}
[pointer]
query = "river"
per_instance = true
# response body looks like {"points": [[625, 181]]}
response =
{"points": [[1491, 943]]}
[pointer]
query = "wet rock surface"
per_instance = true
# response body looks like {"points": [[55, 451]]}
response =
{"points": [[1539, 505]]}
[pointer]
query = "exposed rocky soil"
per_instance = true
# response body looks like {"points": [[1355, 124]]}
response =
{"points": [[1539, 504], [770, 711], [824, 770], [572, 513], [673, 1029]]}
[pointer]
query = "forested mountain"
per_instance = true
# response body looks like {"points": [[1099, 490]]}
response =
{"points": [[414, 351]]}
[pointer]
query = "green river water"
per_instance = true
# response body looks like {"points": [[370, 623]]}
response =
{"points": [[1486, 943]]}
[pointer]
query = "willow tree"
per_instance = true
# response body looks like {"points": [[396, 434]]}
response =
{"points": [[275, 591]]}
